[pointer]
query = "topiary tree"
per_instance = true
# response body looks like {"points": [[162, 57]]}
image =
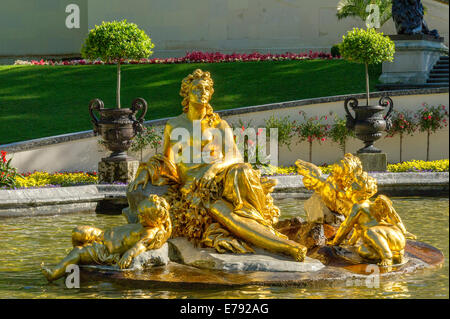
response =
{"points": [[402, 123], [367, 47], [430, 119], [311, 129], [114, 42], [339, 132]]}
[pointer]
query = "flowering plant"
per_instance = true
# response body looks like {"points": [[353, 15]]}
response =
{"points": [[420, 166], [251, 151], [339, 132], [194, 57], [402, 123], [409, 166], [312, 129], [7, 172], [430, 119], [285, 127], [148, 136], [43, 179]]}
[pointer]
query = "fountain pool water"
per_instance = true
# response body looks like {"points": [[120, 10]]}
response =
{"points": [[27, 241]]}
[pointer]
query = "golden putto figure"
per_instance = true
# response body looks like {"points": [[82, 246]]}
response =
{"points": [[375, 227], [220, 202]]}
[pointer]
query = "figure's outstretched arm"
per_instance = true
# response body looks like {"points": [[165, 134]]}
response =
{"points": [[153, 239], [128, 256]]}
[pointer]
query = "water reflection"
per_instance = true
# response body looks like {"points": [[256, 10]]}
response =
{"points": [[25, 242]]}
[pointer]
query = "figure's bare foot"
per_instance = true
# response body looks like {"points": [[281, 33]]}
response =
{"points": [[385, 262], [47, 272]]}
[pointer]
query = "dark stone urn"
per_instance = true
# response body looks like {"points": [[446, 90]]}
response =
{"points": [[369, 122], [118, 126]]}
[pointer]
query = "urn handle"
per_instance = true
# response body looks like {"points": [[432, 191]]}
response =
{"points": [[352, 102], [137, 105], [98, 105], [386, 101]]}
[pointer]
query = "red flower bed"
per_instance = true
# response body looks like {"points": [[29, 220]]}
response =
{"points": [[199, 57]]}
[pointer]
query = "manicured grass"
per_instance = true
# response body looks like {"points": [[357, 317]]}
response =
{"points": [[39, 101]]}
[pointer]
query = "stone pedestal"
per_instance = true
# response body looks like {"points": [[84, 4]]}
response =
{"points": [[118, 172], [373, 162], [415, 56]]}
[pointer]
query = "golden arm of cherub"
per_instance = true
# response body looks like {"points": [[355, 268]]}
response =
{"points": [[151, 239], [346, 227]]}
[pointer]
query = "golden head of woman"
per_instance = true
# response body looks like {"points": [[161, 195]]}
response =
{"points": [[197, 90]]}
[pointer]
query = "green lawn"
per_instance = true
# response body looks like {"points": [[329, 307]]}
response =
{"points": [[39, 101]]}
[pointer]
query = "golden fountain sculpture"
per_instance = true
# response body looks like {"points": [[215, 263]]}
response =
{"points": [[377, 231], [223, 203]]}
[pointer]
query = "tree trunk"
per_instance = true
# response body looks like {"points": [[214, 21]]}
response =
{"points": [[401, 144], [428, 144], [367, 84], [310, 152], [118, 85]]}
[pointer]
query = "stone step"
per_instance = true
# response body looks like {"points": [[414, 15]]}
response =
{"points": [[439, 72], [443, 82], [440, 67], [438, 75], [435, 85], [441, 64]]}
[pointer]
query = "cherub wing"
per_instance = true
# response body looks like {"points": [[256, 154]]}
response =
{"points": [[393, 217], [309, 170]]}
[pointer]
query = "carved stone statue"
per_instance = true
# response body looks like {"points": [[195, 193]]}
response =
{"points": [[408, 18]]}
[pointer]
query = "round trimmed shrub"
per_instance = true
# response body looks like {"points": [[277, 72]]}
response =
{"points": [[116, 40], [367, 46], [335, 51]]}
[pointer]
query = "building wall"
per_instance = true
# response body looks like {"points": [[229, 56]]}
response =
{"points": [[84, 154], [37, 27]]}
